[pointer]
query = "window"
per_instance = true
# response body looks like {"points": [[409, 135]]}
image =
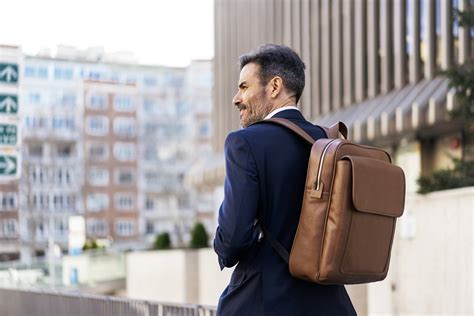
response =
{"points": [[125, 177], [152, 178], [149, 203], [61, 226], [41, 231], [150, 228], [125, 151], [64, 124], [150, 81], [151, 152], [34, 71], [97, 202], [98, 176], [35, 151], [124, 201], [124, 227], [34, 97], [58, 202], [97, 151], [8, 201], [38, 174], [36, 122], [125, 126], [61, 73], [62, 175], [97, 227], [40, 201], [97, 125], [9, 228], [64, 151], [124, 103], [97, 101]]}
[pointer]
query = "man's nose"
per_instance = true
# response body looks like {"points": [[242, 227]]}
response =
{"points": [[236, 100]]}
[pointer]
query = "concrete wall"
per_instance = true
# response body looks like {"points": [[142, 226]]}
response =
{"points": [[178, 276], [431, 271]]}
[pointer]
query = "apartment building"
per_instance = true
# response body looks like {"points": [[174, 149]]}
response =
{"points": [[104, 138]]}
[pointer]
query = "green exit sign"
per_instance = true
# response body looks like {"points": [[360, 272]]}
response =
{"points": [[8, 73], [8, 134], [8, 165], [8, 104]]}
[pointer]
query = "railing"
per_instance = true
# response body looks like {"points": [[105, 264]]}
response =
{"points": [[15, 302]]}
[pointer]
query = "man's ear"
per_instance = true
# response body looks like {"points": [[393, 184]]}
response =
{"points": [[276, 86]]}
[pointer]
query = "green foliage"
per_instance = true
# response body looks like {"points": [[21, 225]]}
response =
{"points": [[461, 78], [199, 238], [90, 244], [462, 175], [465, 18], [162, 241]]}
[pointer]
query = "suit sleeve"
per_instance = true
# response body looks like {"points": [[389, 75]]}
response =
{"points": [[236, 232]]}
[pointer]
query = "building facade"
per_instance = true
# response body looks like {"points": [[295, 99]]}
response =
{"points": [[103, 138], [371, 64]]}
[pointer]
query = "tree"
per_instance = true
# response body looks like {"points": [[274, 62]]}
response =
{"points": [[199, 237], [162, 241], [461, 78]]}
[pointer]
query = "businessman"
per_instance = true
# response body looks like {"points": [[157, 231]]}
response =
{"points": [[265, 179]]}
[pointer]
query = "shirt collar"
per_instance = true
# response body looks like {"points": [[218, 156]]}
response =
{"points": [[288, 107]]}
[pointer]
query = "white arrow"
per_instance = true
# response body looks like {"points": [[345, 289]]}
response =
{"points": [[9, 165], [8, 104], [9, 72]]}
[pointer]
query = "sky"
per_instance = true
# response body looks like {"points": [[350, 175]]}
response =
{"points": [[161, 32]]}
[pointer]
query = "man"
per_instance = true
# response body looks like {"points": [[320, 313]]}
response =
{"points": [[265, 178]]}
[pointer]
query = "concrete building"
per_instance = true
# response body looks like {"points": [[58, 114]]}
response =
{"points": [[51, 124], [104, 138], [110, 140], [371, 64]]}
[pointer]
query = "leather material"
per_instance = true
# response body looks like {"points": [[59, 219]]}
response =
{"points": [[378, 187], [353, 195]]}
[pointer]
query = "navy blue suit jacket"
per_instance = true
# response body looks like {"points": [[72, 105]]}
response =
{"points": [[265, 174]]}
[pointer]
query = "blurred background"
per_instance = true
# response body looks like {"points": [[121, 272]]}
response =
{"points": [[113, 117]]}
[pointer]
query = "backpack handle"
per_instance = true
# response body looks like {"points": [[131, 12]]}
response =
{"points": [[336, 130]]}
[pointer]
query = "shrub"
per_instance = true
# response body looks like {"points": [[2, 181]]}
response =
{"points": [[462, 175], [90, 244], [162, 241], [199, 238]]}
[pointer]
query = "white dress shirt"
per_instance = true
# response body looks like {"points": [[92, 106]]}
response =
{"points": [[288, 107]]}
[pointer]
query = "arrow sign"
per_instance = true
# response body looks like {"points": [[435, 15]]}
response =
{"points": [[7, 165], [8, 104], [9, 73], [8, 134]]}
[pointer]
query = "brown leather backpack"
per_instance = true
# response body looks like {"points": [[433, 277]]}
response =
{"points": [[352, 198]]}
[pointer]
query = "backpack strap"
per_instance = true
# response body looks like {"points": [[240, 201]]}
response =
{"points": [[334, 131], [337, 130]]}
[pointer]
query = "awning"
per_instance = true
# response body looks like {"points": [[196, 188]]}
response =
{"points": [[409, 108], [206, 173]]}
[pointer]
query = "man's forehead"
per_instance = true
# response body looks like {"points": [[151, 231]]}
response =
{"points": [[249, 73]]}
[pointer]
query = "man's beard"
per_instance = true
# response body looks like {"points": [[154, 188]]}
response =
{"points": [[254, 113]]}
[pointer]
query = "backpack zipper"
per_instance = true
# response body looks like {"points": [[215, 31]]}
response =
{"points": [[318, 191]]}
